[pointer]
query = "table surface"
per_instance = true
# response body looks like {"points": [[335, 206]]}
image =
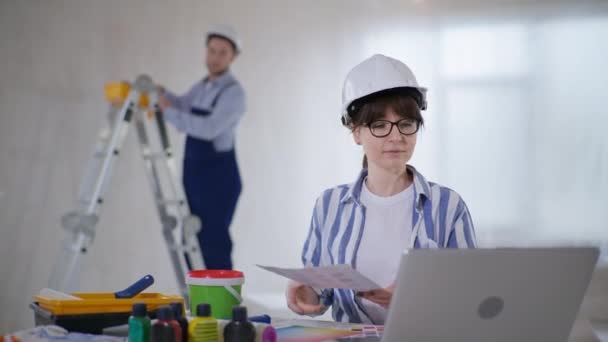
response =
{"points": [[600, 329]]}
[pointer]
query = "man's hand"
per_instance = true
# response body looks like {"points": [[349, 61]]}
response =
{"points": [[381, 297], [302, 299], [163, 101]]}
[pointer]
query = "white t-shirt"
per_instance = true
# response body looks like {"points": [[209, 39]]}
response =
{"points": [[386, 234]]}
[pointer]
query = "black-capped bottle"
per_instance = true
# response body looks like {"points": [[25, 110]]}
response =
{"points": [[165, 329], [239, 329], [139, 324], [203, 327], [178, 315]]}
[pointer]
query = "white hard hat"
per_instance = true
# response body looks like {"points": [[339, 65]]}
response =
{"points": [[227, 32], [376, 74]]}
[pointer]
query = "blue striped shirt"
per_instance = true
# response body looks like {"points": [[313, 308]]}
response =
{"points": [[210, 110], [440, 219]]}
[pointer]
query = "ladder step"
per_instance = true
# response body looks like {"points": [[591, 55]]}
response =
{"points": [[155, 156], [183, 248], [87, 201], [102, 154], [172, 201]]}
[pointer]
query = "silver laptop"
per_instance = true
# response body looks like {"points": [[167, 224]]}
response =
{"points": [[524, 295]]}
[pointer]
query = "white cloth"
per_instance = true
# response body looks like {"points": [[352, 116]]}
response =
{"points": [[388, 226]]}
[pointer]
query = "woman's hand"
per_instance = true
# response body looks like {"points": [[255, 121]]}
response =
{"points": [[302, 299], [381, 297]]}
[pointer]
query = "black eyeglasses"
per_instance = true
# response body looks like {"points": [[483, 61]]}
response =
{"points": [[382, 128]]}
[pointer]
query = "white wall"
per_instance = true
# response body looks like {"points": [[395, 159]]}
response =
{"points": [[57, 55]]}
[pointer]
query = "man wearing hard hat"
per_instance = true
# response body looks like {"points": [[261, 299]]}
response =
{"points": [[389, 207], [209, 114]]}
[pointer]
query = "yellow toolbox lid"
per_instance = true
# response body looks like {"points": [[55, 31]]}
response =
{"points": [[104, 303]]}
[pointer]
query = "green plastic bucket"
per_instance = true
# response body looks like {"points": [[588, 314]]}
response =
{"points": [[220, 288]]}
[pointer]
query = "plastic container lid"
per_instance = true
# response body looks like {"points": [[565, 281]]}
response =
{"points": [[215, 277], [222, 274], [95, 303], [178, 309], [140, 310], [203, 310], [239, 314], [164, 313]]}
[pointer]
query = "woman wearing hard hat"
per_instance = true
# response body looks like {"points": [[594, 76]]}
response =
{"points": [[209, 114], [390, 206]]}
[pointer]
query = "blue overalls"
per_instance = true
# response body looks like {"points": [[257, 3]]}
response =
{"points": [[209, 113]]}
